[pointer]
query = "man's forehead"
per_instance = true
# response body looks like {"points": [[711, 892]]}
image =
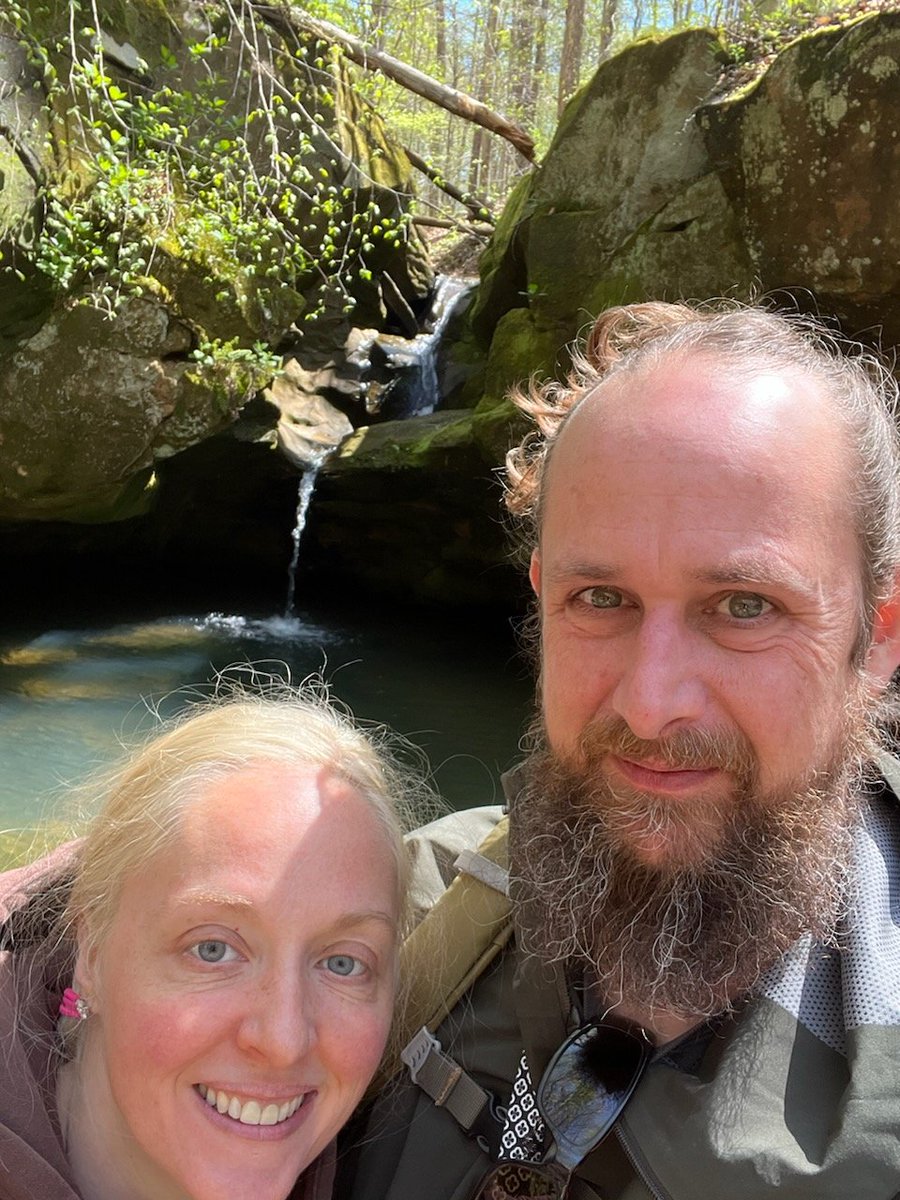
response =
{"points": [[694, 405]]}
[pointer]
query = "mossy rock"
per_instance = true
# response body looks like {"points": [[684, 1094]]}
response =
{"points": [[502, 265], [520, 350], [808, 157]]}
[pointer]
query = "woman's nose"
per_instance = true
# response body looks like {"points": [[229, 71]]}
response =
{"points": [[278, 1024]]}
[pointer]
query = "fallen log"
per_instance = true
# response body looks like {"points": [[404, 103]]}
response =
{"points": [[287, 18]]}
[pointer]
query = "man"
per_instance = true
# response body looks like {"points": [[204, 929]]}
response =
{"points": [[704, 841]]}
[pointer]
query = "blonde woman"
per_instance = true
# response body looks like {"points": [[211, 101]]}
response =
{"points": [[222, 946]]}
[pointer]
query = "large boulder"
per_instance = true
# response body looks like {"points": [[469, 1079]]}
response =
{"points": [[809, 159], [90, 402], [409, 508], [661, 183]]}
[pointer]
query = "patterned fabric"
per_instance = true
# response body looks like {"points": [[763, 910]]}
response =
{"points": [[511, 1182], [833, 991], [523, 1129]]}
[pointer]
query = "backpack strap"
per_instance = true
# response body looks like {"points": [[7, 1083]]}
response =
{"points": [[447, 952]]}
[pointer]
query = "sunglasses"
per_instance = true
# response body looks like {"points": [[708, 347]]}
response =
{"points": [[589, 1081]]}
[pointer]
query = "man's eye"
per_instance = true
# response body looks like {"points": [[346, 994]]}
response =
{"points": [[744, 606], [213, 951], [344, 965], [601, 597]]}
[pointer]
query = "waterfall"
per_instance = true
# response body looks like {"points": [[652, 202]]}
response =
{"points": [[447, 294], [415, 389], [304, 497]]}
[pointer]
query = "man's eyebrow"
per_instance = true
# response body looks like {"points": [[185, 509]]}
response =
{"points": [[742, 569], [754, 570], [581, 568]]}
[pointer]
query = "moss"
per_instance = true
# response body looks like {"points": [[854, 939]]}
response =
{"points": [[411, 445], [519, 351], [502, 265], [146, 24]]}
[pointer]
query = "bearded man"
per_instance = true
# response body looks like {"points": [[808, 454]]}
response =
{"points": [[701, 997]]}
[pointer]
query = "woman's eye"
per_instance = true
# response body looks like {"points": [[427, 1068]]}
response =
{"points": [[213, 951], [744, 606], [344, 965], [601, 597]]}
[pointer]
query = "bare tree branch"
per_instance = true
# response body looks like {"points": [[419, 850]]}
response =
{"points": [[478, 209], [288, 18], [482, 231]]}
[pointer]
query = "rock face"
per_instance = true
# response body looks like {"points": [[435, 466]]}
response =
{"points": [[422, 497], [89, 404], [142, 291]]}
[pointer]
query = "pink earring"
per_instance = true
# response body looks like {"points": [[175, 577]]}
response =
{"points": [[73, 1005]]}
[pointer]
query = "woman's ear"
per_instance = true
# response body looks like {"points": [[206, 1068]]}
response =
{"points": [[884, 652], [85, 974]]}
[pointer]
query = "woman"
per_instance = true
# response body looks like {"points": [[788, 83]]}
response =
{"points": [[227, 931]]}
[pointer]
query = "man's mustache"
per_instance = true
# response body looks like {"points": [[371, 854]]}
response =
{"points": [[717, 748]]}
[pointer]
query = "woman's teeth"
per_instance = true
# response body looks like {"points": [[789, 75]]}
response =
{"points": [[249, 1112]]}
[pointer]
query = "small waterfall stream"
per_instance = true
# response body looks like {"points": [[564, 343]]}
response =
{"points": [[415, 389], [304, 496]]}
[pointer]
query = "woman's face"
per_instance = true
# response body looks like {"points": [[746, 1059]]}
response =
{"points": [[242, 998]]}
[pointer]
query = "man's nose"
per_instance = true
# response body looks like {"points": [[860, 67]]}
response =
{"points": [[278, 1023], [660, 686]]}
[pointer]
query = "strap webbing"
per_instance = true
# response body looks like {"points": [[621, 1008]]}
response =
{"points": [[451, 948], [444, 1080]]}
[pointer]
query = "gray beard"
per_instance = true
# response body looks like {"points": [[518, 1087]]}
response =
{"points": [[688, 937]]}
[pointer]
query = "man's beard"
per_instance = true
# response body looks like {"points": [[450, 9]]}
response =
{"points": [[746, 876]]}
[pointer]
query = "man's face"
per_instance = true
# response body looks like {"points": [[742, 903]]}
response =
{"points": [[698, 576]]}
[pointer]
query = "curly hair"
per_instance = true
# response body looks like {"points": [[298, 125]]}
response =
{"points": [[749, 340]]}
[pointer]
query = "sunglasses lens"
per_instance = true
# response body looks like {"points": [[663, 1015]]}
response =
{"points": [[511, 1180], [586, 1087]]}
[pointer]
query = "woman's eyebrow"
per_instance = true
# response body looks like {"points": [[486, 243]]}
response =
{"points": [[218, 899], [348, 920]]}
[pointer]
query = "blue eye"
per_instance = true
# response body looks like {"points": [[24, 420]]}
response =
{"points": [[745, 606], [212, 951], [601, 597], [344, 965]]}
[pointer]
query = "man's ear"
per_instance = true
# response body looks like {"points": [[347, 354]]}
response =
{"points": [[884, 652], [534, 572]]}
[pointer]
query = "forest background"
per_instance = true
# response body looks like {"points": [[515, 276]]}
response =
{"points": [[525, 58]]}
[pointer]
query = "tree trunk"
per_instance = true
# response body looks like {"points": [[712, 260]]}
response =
{"points": [[440, 36], [607, 29], [570, 62], [379, 22], [522, 47]]}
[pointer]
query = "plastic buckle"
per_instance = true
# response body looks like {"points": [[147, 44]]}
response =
{"points": [[415, 1053]]}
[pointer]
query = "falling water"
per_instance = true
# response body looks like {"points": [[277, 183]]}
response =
{"points": [[415, 390], [304, 496]]}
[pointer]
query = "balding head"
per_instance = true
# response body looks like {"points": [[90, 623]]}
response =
{"points": [[855, 394]]}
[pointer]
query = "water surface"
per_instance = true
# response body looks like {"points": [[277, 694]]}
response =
{"points": [[70, 697]]}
